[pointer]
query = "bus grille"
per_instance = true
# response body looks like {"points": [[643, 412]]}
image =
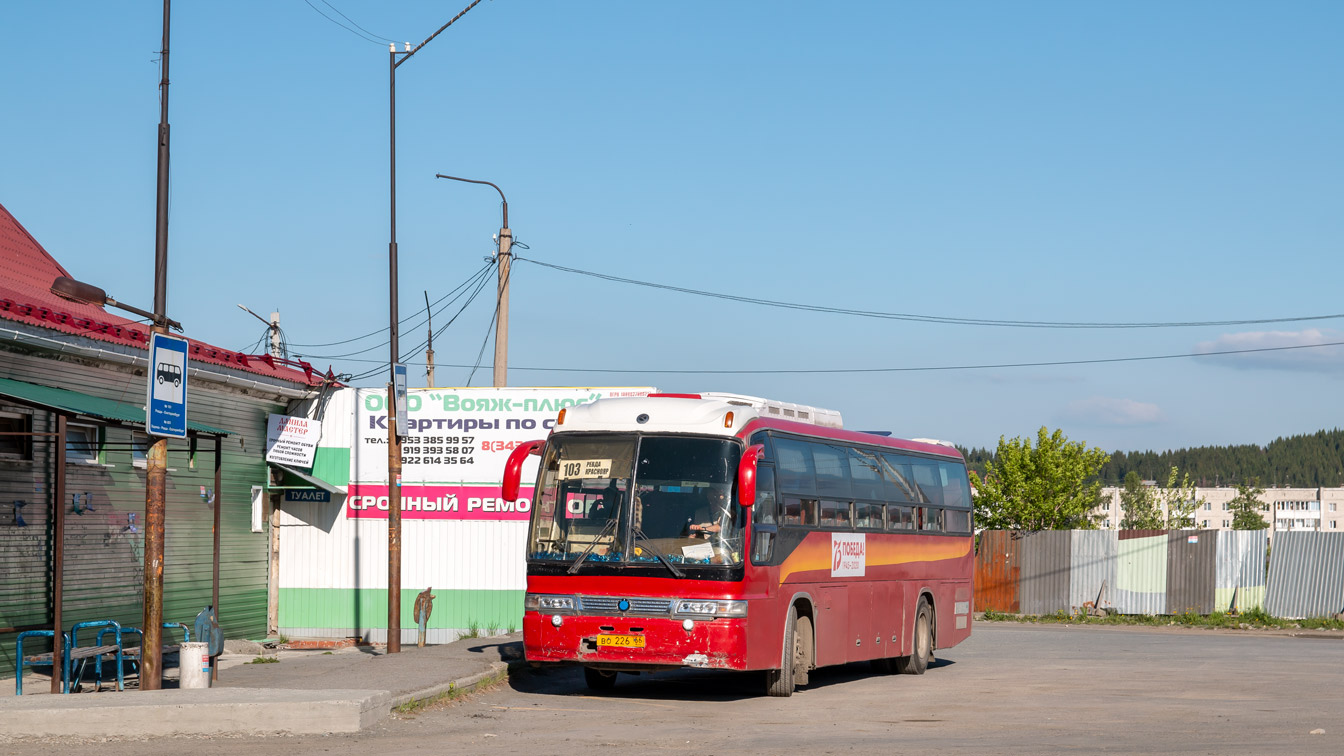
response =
{"points": [[608, 605]]}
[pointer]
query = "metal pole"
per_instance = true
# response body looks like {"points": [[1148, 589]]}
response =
{"points": [[219, 503], [156, 461], [393, 525], [58, 560], [393, 442]]}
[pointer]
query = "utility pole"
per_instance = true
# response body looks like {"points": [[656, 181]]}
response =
{"points": [[505, 259], [156, 460], [502, 321], [394, 433], [277, 351], [429, 352]]}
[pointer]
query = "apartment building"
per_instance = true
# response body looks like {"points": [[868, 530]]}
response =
{"points": [[1285, 509]]}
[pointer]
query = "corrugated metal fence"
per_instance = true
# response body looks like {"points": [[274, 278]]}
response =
{"points": [[1306, 575], [1129, 572]]}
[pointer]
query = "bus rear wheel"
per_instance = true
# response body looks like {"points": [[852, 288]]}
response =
{"points": [[779, 683], [918, 660], [599, 679]]}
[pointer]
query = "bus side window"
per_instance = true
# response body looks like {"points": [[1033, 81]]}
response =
{"points": [[957, 520], [867, 516], [764, 509], [933, 519], [835, 514], [799, 511], [794, 464], [928, 478], [899, 518]]}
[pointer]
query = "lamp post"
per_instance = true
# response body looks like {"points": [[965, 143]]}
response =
{"points": [[393, 432], [501, 371]]}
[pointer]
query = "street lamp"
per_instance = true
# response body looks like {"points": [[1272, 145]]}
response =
{"points": [[86, 293], [502, 323], [393, 432]]}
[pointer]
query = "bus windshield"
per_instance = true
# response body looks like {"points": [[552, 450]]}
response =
{"points": [[638, 499]]}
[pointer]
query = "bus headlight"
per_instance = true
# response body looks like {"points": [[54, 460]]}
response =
{"points": [[710, 608], [537, 602]]}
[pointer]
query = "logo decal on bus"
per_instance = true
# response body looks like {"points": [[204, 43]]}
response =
{"points": [[849, 554]]}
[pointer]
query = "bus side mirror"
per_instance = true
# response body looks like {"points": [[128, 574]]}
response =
{"points": [[746, 474], [513, 469]]}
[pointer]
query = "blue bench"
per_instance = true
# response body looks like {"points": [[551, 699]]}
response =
{"points": [[133, 654], [76, 658]]}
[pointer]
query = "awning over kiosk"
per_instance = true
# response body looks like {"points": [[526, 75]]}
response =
{"points": [[84, 405], [309, 481]]}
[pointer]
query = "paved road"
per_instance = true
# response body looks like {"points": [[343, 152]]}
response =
{"points": [[1010, 689]]}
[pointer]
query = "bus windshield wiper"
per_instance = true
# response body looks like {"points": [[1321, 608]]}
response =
{"points": [[606, 531], [639, 534]]}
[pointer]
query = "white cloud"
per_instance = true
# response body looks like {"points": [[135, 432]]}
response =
{"points": [[1104, 410], [1322, 359]]}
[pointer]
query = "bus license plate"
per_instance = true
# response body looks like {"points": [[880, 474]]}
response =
{"points": [[621, 641]]}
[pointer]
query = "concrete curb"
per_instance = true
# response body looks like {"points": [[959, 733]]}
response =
{"points": [[220, 711], [463, 685], [213, 711]]}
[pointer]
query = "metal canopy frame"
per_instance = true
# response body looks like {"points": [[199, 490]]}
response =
{"points": [[63, 417]]}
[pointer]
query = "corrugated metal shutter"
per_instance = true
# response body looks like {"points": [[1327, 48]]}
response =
{"points": [[1306, 575], [25, 551], [1191, 562], [1045, 571], [1092, 569], [997, 572], [1141, 572], [104, 565]]}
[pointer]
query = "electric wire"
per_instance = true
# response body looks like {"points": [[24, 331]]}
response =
{"points": [[917, 369], [913, 317], [403, 321], [352, 21], [499, 298], [482, 273], [366, 36], [479, 286]]}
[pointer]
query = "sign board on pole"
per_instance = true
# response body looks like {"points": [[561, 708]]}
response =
{"points": [[292, 440], [166, 408], [399, 391], [454, 449]]}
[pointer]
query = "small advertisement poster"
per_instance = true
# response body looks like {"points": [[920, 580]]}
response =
{"points": [[292, 440], [455, 445], [849, 554]]}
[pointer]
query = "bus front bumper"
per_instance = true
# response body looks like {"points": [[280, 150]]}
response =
{"points": [[663, 642]]}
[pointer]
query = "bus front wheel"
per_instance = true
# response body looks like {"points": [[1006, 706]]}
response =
{"points": [[599, 679], [918, 660], [779, 683]]}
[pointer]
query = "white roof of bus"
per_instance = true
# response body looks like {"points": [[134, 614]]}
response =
{"points": [[690, 413]]}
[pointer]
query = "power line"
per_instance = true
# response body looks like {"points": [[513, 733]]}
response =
{"points": [[480, 284], [941, 319], [499, 299], [364, 35], [405, 320], [351, 20], [927, 368]]}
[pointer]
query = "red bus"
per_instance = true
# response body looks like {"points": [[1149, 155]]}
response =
{"points": [[707, 531]]}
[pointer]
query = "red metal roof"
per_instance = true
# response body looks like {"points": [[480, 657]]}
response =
{"points": [[27, 272]]}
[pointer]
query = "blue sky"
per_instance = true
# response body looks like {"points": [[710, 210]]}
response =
{"points": [[1061, 161]]}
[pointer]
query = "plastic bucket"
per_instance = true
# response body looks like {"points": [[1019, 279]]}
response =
{"points": [[194, 665]]}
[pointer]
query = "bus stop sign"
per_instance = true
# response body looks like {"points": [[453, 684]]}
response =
{"points": [[166, 410]]}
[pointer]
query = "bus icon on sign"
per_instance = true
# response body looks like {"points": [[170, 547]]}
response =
{"points": [[169, 373]]}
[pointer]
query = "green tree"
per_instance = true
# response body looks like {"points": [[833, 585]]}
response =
{"points": [[1246, 507], [1140, 505], [1179, 500], [1053, 486]]}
